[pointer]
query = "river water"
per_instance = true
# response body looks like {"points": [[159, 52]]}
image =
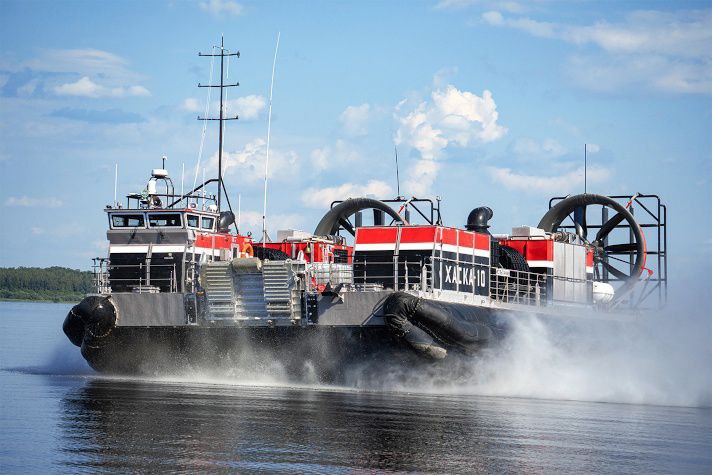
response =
{"points": [[652, 414]]}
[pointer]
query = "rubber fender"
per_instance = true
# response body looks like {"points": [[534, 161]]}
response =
{"points": [[448, 324], [73, 327], [92, 319]]}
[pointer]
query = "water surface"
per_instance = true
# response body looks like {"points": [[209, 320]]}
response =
{"points": [[57, 415]]}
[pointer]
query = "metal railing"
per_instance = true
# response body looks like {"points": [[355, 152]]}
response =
{"points": [[101, 275], [134, 277], [511, 286]]}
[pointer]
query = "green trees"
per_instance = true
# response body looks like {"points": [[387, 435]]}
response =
{"points": [[52, 283]]}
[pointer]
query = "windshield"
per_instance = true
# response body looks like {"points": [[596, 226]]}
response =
{"points": [[208, 223], [164, 219], [127, 220]]}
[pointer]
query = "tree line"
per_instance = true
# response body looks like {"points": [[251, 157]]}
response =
{"points": [[51, 283]]}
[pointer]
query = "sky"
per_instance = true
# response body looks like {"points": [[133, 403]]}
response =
{"points": [[488, 103]]}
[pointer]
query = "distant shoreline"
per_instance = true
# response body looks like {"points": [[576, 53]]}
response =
{"points": [[51, 284], [43, 299]]}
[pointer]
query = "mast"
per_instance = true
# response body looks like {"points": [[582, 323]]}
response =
{"points": [[221, 117]]}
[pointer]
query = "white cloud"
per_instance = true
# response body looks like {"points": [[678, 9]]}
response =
{"points": [[87, 61], [339, 154], [641, 72], [248, 164], [252, 221], [37, 231], [665, 51], [247, 107], [85, 87], [221, 7], [421, 177], [566, 183], [28, 88], [506, 5], [191, 104], [321, 198], [592, 148], [451, 117], [530, 149], [27, 202], [354, 120]]}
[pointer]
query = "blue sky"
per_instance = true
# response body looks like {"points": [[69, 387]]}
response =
{"points": [[489, 102]]}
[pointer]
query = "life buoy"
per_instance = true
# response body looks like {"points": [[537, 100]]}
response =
{"points": [[248, 250]]}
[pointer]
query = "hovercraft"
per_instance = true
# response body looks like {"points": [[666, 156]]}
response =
{"points": [[179, 287]]}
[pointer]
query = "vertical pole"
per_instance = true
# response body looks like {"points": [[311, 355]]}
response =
{"points": [[395, 147], [116, 180], [269, 133], [220, 142], [182, 182], [585, 165]]}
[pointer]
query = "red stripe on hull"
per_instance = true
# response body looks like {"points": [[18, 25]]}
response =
{"points": [[423, 234]]}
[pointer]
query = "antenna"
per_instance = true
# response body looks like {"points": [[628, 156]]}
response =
{"points": [[163, 162], [221, 118], [116, 180], [269, 132], [203, 190], [182, 180], [395, 147], [239, 210], [585, 164]]}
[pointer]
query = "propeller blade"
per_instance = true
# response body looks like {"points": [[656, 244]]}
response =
{"points": [[615, 271], [347, 226], [614, 248], [580, 222], [608, 226]]}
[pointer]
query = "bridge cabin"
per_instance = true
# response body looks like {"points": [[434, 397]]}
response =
{"points": [[158, 241]]}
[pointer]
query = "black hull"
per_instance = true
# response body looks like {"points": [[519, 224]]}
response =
{"points": [[323, 351], [416, 331]]}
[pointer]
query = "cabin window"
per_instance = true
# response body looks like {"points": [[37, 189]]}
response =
{"points": [[208, 223], [193, 221], [164, 219], [127, 221]]}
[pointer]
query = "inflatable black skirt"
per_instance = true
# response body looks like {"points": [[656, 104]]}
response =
{"points": [[431, 327]]}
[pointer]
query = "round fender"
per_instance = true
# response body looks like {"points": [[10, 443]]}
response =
{"points": [[92, 319], [73, 327]]}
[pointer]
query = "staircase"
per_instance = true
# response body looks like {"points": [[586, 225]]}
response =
{"points": [[219, 292], [251, 293]]}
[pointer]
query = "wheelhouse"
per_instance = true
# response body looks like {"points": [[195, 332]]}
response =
{"points": [[159, 240]]}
